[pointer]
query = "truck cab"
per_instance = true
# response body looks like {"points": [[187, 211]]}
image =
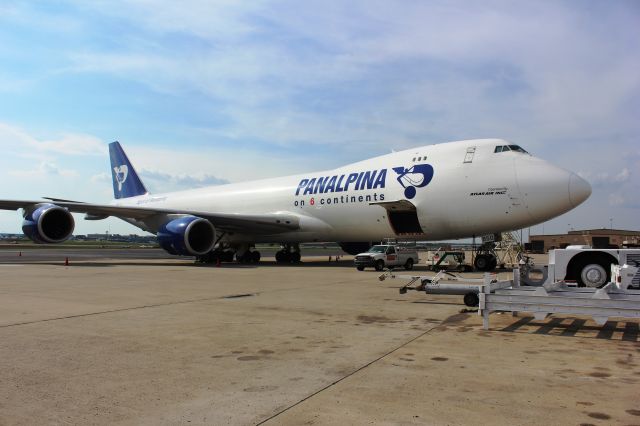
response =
{"points": [[381, 256]]}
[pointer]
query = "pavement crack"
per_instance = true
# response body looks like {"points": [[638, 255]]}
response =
{"points": [[359, 369], [110, 311], [157, 305]]}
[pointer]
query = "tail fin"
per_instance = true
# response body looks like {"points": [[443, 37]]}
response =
{"points": [[126, 182]]}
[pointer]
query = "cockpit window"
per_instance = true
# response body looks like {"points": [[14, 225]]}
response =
{"points": [[505, 148], [517, 148]]}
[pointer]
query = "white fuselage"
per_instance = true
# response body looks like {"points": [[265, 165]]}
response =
{"points": [[473, 191]]}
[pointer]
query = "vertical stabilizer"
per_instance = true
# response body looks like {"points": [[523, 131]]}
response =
{"points": [[126, 182]]}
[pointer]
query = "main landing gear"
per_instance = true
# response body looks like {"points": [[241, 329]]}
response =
{"points": [[215, 256], [248, 257], [222, 254], [290, 253]]}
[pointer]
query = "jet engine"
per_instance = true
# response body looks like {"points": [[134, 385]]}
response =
{"points": [[47, 223], [187, 236]]}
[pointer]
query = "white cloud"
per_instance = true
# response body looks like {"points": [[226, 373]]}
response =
{"points": [[74, 144], [15, 139], [606, 178], [168, 181], [616, 200], [201, 18], [338, 73], [101, 178], [213, 162], [44, 169], [623, 176]]}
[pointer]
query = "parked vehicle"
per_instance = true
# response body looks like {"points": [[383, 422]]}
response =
{"points": [[589, 267], [449, 261], [386, 255]]}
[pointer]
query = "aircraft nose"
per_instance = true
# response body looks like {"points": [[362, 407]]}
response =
{"points": [[547, 190], [579, 189]]}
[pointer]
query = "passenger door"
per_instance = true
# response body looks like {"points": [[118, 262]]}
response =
{"points": [[468, 157], [391, 254]]}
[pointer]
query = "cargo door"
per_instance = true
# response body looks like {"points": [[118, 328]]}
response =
{"points": [[403, 217]]}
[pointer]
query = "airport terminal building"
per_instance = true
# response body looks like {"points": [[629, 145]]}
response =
{"points": [[596, 238]]}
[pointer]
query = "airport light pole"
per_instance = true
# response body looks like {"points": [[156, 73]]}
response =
{"points": [[610, 223]]}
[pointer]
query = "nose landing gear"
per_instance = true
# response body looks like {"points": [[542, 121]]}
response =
{"points": [[485, 262]]}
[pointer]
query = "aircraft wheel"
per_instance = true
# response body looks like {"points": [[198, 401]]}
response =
{"points": [[481, 263], [255, 256], [471, 299], [283, 257], [379, 265], [247, 257], [295, 257], [409, 265], [227, 256], [360, 268]]}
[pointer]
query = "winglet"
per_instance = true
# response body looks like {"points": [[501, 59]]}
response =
{"points": [[126, 182]]}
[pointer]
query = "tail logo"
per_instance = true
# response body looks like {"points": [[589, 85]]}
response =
{"points": [[417, 176], [121, 173]]}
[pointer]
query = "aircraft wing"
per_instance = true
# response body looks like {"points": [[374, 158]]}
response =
{"points": [[266, 223]]}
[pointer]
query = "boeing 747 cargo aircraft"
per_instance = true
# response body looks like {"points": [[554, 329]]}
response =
{"points": [[443, 191]]}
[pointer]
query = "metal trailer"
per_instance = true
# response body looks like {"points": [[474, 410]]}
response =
{"points": [[612, 300], [450, 261], [615, 299], [435, 285]]}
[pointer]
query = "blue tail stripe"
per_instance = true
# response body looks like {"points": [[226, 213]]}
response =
{"points": [[126, 182]]}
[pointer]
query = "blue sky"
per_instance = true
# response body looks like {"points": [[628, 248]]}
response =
{"points": [[207, 92]]}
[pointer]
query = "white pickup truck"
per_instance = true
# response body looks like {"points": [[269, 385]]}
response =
{"points": [[385, 255]]}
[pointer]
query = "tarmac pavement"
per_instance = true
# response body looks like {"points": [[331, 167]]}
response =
{"points": [[139, 341]]}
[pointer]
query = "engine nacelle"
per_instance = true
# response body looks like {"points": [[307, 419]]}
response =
{"points": [[187, 236], [47, 223]]}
